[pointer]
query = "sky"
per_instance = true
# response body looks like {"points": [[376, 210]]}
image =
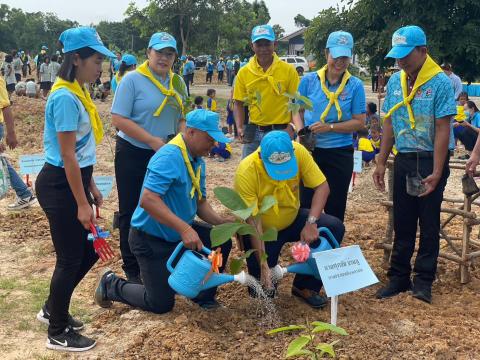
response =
{"points": [[87, 12]]}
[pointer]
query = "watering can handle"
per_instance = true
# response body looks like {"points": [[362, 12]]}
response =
{"points": [[330, 235], [175, 254]]}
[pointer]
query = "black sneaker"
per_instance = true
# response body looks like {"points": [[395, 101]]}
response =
{"points": [[100, 295], [393, 289], [70, 340], [422, 292], [44, 317], [210, 304], [311, 297]]}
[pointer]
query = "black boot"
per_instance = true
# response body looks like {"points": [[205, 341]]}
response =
{"points": [[393, 288]]}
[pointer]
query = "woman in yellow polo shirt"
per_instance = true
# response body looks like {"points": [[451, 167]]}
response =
{"points": [[334, 122]]}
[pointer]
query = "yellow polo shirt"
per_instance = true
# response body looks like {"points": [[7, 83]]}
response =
{"points": [[271, 107], [365, 145], [4, 100], [460, 114], [253, 184]]}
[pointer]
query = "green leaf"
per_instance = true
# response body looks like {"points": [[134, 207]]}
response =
{"points": [[290, 96], [258, 97], [229, 198], [248, 253], [247, 229], [263, 257], [321, 326], [268, 202], [220, 234], [286, 328], [326, 348], [296, 346], [244, 214], [270, 234], [294, 108], [306, 101], [236, 266]]}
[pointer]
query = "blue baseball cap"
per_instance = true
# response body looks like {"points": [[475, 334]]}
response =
{"points": [[162, 40], [276, 151], [44, 47], [263, 32], [80, 37], [208, 121], [183, 58], [340, 43], [405, 39], [129, 60]]}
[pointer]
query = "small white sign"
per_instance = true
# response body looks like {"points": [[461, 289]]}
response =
{"points": [[357, 161], [104, 185], [31, 164], [344, 270]]}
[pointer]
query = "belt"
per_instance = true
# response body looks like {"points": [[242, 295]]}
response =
{"points": [[268, 128], [414, 155]]}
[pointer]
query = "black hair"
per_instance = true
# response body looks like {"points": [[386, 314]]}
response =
{"points": [[372, 107], [472, 105], [211, 92], [375, 128], [363, 132], [46, 58], [67, 69], [8, 58], [55, 57], [198, 100], [463, 94], [14, 53], [123, 68], [107, 85]]}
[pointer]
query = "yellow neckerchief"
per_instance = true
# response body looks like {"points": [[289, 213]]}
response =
{"points": [[178, 141], [170, 92], [83, 95], [332, 96], [260, 75], [280, 187], [460, 114], [427, 72], [118, 78]]}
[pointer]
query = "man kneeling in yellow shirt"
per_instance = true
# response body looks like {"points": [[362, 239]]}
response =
{"points": [[277, 168]]}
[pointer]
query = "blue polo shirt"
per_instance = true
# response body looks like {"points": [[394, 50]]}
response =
{"points": [[433, 100], [64, 112], [220, 66], [475, 120], [168, 177], [137, 99], [351, 100]]}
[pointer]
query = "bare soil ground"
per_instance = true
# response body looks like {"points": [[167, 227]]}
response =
{"points": [[398, 328]]}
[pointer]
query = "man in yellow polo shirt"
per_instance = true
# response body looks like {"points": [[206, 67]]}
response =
{"points": [[277, 169], [262, 85]]}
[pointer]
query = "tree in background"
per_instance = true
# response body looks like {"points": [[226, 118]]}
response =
{"points": [[301, 21]]}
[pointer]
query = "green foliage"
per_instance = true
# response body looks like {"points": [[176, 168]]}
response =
{"points": [[301, 21], [220, 234], [305, 345], [298, 102]]}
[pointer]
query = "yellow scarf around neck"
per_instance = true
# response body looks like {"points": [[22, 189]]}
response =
{"points": [[332, 96], [252, 66], [429, 69], [83, 95], [178, 141], [170, 92]]}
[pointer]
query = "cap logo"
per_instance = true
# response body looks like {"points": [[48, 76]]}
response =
{"points": [[342, 40], [98, 38], [166, 37], [261, 31], [399, 40], [279, 157]]}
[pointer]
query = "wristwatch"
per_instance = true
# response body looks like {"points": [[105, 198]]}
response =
{"points": [[311, 220]]}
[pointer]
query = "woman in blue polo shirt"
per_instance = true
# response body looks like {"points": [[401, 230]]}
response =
{"points": [[128, 63], [146, 110], [65, 184], [338, 111]]}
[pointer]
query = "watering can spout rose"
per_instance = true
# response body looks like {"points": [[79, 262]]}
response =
{"points": [[195, 272], [308, 266]]}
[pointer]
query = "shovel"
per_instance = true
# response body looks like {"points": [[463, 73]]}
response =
{"points": [[103, 250]]}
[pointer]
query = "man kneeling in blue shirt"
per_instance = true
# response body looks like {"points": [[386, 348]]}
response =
{"points": [[173, 192]]}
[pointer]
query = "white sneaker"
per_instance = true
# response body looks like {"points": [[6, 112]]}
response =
{"points": [[22, 203]]}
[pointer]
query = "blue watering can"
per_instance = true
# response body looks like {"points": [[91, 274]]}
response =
{"points": [[309, 267], [187, 278]]}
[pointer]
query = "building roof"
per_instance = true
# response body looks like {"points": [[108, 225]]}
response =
{"points": [[292, 35]]}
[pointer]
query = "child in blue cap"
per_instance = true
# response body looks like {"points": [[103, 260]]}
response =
{"points": [[128, 63], [173, 193], [334, 122], [65, 185]]}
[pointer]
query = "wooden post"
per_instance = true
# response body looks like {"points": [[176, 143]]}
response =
{"points": [[389, 232], [467, 228]]}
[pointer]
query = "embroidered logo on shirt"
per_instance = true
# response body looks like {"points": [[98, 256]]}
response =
{"points": [[279, 157], [428, 92], [397, 93], [399, 40]]}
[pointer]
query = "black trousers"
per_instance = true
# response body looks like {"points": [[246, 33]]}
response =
{"points": [[75, 254], [152, 253], [209, 77], [220, 76], [337, 166], [468, 137], [130, 168], [292, 234], [407, 212]]}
